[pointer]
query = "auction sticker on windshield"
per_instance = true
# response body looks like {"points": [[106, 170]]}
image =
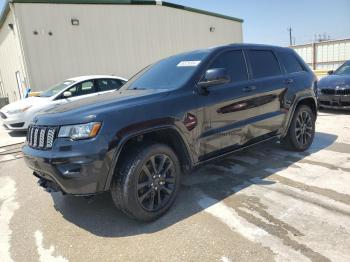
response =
{"points": [[188, 63]]}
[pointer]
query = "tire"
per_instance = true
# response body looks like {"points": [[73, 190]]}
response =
{"points": [[301, 131], [147, 181]]}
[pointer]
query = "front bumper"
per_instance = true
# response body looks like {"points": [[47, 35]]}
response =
{"points": [[75, 167], [17, 122], [334, 101]]}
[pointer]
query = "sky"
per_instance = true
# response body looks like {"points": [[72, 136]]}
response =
{"points": [[267, 21]]}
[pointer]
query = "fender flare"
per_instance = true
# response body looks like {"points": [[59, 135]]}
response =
{"points": [[132, 135], [294, 107]]}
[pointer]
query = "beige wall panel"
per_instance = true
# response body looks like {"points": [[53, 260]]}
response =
{"points": [[10, 60], [111, 39]]}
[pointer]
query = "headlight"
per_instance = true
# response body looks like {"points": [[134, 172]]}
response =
{"points": [[16, 111], [82, 131]]}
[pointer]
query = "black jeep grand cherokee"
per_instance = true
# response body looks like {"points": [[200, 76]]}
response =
{"points": [[170, 117]]}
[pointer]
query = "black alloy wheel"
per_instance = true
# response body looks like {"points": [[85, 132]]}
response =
{"points": [[304, 128], [301, 131], [156, 182], [147, 181]]}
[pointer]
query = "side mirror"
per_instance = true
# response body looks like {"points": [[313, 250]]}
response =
{"points": [[67, 94], [215, 76], [330, 72]]}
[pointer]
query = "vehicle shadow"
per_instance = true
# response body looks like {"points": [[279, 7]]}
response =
{"points": [[215, 181]]}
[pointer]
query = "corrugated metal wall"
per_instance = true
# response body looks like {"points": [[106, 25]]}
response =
{"points": [[325, 55], [11, 61], [111, 39]]}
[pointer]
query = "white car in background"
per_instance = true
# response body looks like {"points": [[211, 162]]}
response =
{"points": [[18, 115]]}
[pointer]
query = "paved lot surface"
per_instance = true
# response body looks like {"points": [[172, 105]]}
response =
{"points": [[8, 137], [264, 204]]}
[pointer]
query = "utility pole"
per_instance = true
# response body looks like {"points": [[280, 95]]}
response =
{"points": [[290, 36]]}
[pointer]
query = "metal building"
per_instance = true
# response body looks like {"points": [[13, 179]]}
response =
{"points": [[327, 55], [43, 42]]}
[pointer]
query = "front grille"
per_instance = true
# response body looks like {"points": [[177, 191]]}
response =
{"points": [[41, 137], [3, 116], [340, 92], [327, 91], [343, 92]]}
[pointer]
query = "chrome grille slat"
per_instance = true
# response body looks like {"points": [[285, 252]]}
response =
{"points": [[50, 137], [31, 136], [35, 142], [41, 137]]}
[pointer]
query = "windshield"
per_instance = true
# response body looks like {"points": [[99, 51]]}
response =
{"points": [[344, 69], [169, 73], [56, 89]]}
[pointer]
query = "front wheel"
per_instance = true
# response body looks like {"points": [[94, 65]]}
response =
{"points": [[302, 129], [147, 182]]}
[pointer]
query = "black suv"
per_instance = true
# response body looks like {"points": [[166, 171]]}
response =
{"points": [[172, 116]]}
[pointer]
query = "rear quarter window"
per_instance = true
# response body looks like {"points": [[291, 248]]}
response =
{"points": [[290, 62], [263, 63]]}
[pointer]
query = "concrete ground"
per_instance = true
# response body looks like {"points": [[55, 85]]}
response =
{"points": [[8, 137], [263, 204]]}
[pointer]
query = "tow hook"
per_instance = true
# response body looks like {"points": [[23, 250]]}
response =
{"points": [[49, 186]]}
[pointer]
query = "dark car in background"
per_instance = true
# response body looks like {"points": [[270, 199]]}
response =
{"points": [[171, 117], [334, 90]]}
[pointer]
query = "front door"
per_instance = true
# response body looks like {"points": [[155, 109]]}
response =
{"points": [[226, 106]]}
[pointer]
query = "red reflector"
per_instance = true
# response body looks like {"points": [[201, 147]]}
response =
{"points": [[190, 121]]}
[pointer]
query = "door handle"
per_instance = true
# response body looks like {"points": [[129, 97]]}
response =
{"points": [[289, 81], [249, 88]]}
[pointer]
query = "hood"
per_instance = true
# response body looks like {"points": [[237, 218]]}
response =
{"points": [[102, 100], [332, 81], [97, 107], [30, 101]]}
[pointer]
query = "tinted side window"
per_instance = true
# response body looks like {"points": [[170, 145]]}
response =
{"points": [[83, 88], [234, 63], [108, 84], [73, 90], [263, 63], [290, 62]]}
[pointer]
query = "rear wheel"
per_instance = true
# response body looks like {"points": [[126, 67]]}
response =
{"points": [[302, 129], [147, 182]]}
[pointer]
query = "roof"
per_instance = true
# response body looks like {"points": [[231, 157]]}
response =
{"points": [[88, 77], [6, 9]]}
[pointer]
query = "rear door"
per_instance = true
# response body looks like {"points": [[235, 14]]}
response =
{"points": [[268, 79]]}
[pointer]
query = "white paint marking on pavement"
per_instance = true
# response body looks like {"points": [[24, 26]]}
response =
{"points": [[229, 216], [46, 255], [314, 175], [311, 214], [225, 259], [7, 210]]}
